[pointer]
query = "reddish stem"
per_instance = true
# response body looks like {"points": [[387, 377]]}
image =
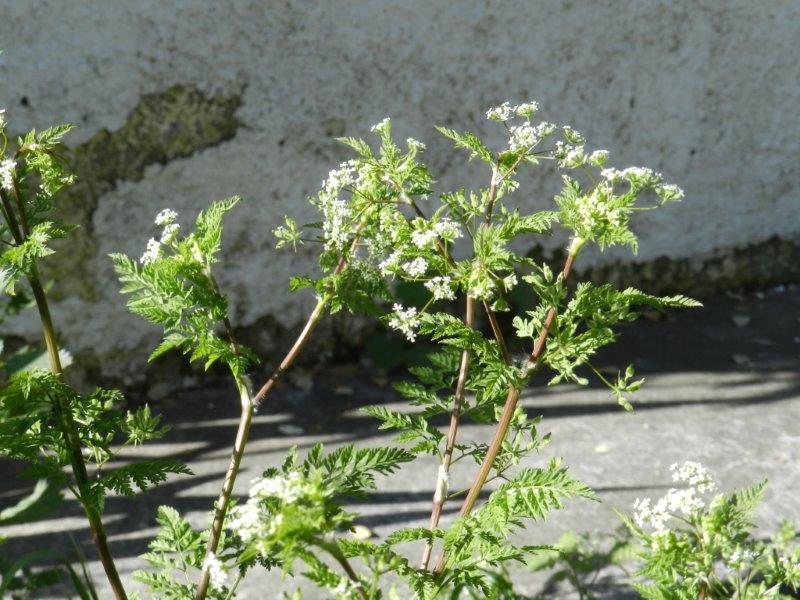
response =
{"points": [[512, 399]]}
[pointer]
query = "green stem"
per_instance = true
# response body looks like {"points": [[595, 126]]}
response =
{"points": [[224, 499], [333, 549], [63, 411]]}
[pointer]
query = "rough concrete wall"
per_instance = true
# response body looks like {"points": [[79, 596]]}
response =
{"points": [[180, 103]]}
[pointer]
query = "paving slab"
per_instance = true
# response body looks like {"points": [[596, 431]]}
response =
{"points": [[720, 389]]}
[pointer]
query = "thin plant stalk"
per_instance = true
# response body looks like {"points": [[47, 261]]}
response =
{"points": [[512, 399], [249, 405], [440, 495], [333, 549], [70, 430]]}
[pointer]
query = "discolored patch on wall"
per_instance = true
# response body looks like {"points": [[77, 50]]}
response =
{"points": [[164, 126]]}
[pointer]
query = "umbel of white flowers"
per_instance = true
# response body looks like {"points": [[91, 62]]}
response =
{"points": [[166, 219], [678, 501]]}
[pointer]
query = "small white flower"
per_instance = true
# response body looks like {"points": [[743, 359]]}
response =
{"points": [[526, 136], [526, 109], [406, 321], [2, 118], [509, 282], [424, 239], [381, 127], [216, 572], [741, 558], [416, 267], [153, 252], [482, 289], [288, 488], [7, 174], [170, 233], [598, 158], [166, 217], [610, 175], [500, 113], [669, 191], [338, 178], [694, 474], [415, 145], [573, 137], [641, 506], [390, 263], [447, 229], [441, 288]]}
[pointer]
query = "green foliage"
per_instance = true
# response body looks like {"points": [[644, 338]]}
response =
{"points": [[690, 548], [385, 235], [30, 421], [583, 562], [174, 288], [177, 548]]}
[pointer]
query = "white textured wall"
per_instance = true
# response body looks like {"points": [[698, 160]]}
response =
{"points": [[708, 92]]}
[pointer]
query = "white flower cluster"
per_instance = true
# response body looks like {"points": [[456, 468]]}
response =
{"points": [[381, 127], [669, 191], [390, 262], [741, 558], [416, 267], [338, 178], [153, 252], [2, 118], [166, 219], [7, 167], [693, 474], [595, 210], [335, 211], [683, 501], [505, 111], [526, 136], [441, 288], [482, 289], [424, 239], [252, 521], [642, 177], [415, 145], [216, 572], [446, 229], [287, 488], [406, 321]]}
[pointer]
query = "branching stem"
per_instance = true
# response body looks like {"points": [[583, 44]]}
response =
{"points": [[510, 406], [440, 495], [249, 405]]}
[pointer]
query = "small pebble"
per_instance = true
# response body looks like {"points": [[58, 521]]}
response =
{"points": [[602, 449]]}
